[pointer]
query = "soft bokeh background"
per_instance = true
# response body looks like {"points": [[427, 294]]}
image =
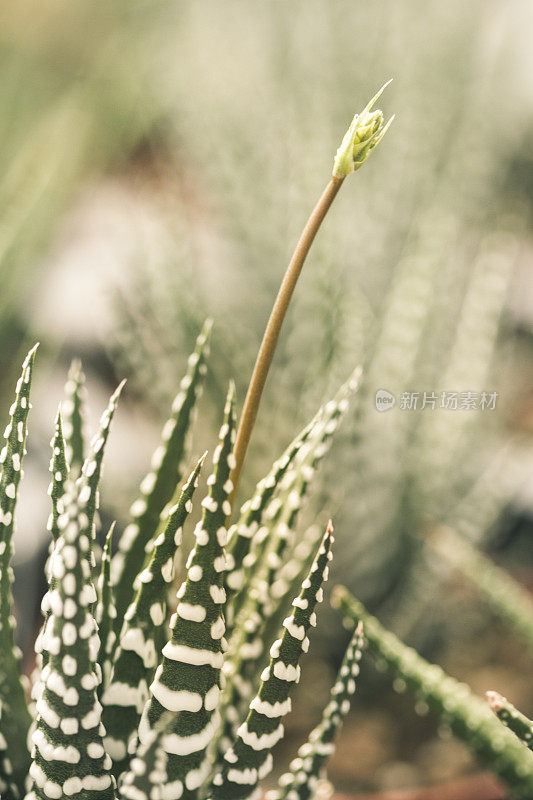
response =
{"points": [[157, 163]]}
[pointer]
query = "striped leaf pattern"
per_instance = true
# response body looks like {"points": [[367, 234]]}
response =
{"points": [[14, 759], [73, 409], [249, 760], [188, 680], [143, 634], [105, 610], [159, 485], [68, 753], [301, 781]]}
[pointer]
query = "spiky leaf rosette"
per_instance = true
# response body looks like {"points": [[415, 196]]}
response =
{"points": [[266, 586], [68, 753], [249, 760], [301, 781], [143, 634], [188, 680], [73, 408], [467, 716], [88, 488], [105, 610], [159, 485], [517, 722], [15, 722]]}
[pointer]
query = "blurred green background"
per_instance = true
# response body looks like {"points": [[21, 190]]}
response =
{"points": [[157, 163]]}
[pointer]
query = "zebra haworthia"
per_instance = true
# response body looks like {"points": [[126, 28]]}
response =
{"points": [[249, 760], [14, 758], [68, 753], [159, 485], [143, 634], [301, 781], [188, 680], [73, 409]]}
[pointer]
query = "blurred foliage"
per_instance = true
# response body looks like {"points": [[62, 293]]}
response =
{"points": [[228, 118], [409, 275]]}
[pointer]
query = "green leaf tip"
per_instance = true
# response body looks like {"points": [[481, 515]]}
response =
{"points": [[73, 408], [511, 717], [59, 471], [366, 130], [159, 484], [14, 757], [301, 782]]}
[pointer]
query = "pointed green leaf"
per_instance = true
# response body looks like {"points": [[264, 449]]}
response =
{"points": [[159, 485], [147, 778], [188, 680], [266, 583], [14, 756], [105, 611], [91, 471], [56, 490], [59, 471], [143, 634], [249, 760], [467, 716], [281, 513], [69, 759], [511, 717], [506, 597], [241, 533], [301, 781], [74, 417]]}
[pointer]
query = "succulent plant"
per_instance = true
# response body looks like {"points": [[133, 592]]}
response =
{"points": [[129, 700], [129, 704]]}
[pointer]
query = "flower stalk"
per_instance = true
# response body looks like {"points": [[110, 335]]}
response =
{"points": [[365, 132]]}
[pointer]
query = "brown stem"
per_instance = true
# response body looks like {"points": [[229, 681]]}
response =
{"points": [[273, 328]]}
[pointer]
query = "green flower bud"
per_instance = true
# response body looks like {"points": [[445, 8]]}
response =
{"points": [[366, 130]]}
